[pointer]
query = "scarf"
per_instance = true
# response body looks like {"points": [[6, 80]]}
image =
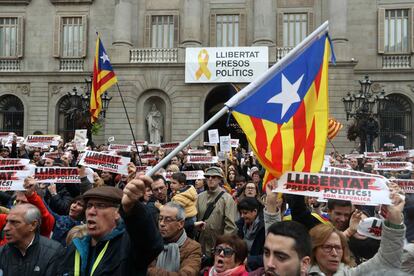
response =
{"points": [[250, 232], [237, 271], [169, 258]]}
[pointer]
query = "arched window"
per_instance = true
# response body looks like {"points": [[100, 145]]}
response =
{"points": [[68, 119], [11, 114], [395, 121]]}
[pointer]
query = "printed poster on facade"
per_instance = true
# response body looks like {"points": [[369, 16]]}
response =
{"points": [[105, 162], [225, 64]]}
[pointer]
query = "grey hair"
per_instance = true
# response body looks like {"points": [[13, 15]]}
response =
{"points": [[180, 210], [32, 213]]}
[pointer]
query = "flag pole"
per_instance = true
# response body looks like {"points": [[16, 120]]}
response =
{"points": [[187, 141], [129, 122]]}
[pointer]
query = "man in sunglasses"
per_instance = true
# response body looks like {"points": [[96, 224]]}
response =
{"points": [[122, 238]]}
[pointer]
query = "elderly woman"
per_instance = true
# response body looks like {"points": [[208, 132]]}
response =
{"points": [[330, 253], [229, 255]]}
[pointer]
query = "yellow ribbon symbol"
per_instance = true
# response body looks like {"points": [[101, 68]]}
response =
{"points": [[203, 61]]}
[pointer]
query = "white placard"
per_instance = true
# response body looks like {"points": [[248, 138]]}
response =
{"points": [[199, 159], [225, 143], [225, 64], [105, 162], [194, 175], [213, 136], [234, 143], [13, 180]]}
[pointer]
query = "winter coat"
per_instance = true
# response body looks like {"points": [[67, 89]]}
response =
{"points": [[131, 247], [389, 255], [221, 220], [190, 261], [41, 258], [187, 198]]}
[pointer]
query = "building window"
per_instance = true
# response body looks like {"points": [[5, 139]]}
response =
{"points": [[11, 114], [396, 31], [395, 121], [8, 37], [162, 31], [227, 30], [72, 37], [295, 28]]}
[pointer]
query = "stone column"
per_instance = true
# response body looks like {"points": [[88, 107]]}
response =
{"points": [[263, 20], [123, 23], [338, 16], [191, 36]]}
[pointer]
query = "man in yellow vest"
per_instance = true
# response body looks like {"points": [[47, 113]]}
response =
{"points": [[122, 238]]}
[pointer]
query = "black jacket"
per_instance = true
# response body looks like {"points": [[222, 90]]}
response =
{"points": [[255, 258], [41, 258], [133, 245]]}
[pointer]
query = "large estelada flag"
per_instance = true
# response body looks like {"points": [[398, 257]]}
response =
{"points": [[103, 78], [285, 117]]}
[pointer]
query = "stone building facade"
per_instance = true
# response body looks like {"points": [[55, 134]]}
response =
{"points": [[47, 48]]}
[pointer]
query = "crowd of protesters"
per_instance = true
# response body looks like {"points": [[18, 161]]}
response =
{"points": [[226, 222]]}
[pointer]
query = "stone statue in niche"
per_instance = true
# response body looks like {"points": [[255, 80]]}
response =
{"points": [[155, 125]]}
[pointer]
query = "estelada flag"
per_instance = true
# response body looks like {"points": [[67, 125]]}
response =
{"points": [[285, 117], [334, 126], [103, 78]]}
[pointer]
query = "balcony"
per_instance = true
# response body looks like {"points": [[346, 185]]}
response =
{"points": [[396, 61], [71, 65], [281, 52], [154, 55], [9, 65]]}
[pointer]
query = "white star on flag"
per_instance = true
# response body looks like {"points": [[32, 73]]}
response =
{"points": [[104, 57], [288, 96]]}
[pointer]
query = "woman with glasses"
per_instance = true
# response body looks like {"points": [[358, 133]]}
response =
{"points": [[229, 254], [331, 255]]}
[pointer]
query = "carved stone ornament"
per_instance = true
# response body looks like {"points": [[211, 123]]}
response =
{"points": [[14, 88], [24, 89], [15, 2], [411, 86], [376, 87], [71, 1], [56, 89]]}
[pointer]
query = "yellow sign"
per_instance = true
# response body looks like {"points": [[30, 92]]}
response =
{"points": [[203, 61]]}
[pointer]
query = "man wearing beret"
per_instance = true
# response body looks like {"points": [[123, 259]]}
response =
{"points": [[122, 238], [222, 219]]}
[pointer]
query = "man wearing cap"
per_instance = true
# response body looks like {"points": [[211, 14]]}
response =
{"points": [[222, 218], [122, 238]]}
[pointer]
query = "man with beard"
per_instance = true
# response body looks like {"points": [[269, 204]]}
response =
{"points": [[122, 238], [287, 250]]}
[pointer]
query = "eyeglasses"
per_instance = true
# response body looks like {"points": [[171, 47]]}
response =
{"points": [[100, 205], [227, 252], [327, 248], [166, 220]]}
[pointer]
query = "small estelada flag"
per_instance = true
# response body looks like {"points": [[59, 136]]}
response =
{"points": [[334, 126]]}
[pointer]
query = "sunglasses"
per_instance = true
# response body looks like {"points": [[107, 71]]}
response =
{"points": [[227, 252]]}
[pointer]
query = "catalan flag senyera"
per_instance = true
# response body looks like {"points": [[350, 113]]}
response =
{"points": [[103, 78], [285, 117], [334, 126]]}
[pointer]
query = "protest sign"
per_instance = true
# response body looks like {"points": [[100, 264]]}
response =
{"points": [[213, 136], [357, 189], [225, 143], [169, 145], [354, 155], [140, 143], [199, 159], [341, 166], [208, 144], [221, 156], [119, 147], [143, 168], [52, 155], [407, 185], [341, 171], [42, 140], [105, 162], [398, 154], [234, 143], [18, 168], [374, 155], [13, 180], [111, 139], [56, 175], [194, 175], [81, 139], [198, 152], [393, 166], [7, 162]]}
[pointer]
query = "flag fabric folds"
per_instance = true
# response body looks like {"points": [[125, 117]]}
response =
{"points": [[285, 118], [334, 126], [103, 78]]}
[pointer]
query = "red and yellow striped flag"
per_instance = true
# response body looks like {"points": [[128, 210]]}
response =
{"points": [[334, 126]]}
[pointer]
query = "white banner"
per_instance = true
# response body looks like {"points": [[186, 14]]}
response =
{"points": [[357, 189], [194, 175], [198, 159], [105, 162], [57, 175], [374, 155], [393, 166], [42, 140], [169, 145], [198, 151], [13, 180], [120, 147], [407, 185], [398, 154], [9, 162], [225, 64]]}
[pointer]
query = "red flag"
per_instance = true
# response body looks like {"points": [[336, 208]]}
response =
{"points": [[334, 126]]}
